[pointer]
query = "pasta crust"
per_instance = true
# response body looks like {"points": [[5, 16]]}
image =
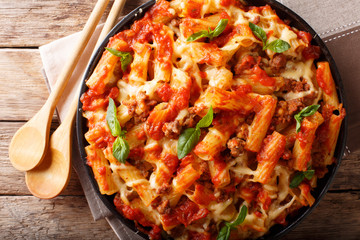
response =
{"points": [[252, 150]]}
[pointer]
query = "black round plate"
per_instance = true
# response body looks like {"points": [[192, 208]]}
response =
{"points": [[295, 21]]}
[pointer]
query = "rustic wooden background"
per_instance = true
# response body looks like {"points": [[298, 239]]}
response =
{"points": [[25, 25]]}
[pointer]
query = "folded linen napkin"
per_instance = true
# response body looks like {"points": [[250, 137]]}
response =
{"points": [[338, 25]]}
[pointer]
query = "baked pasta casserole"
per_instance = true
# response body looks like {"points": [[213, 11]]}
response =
{"points": [[209, 119]]}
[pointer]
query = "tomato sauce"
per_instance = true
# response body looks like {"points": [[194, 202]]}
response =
{"points": [[199, 236], [141, 135], [258, 214], [262, 77], [91, 100], [224, 37], [243, 89], [247, 62], [311, 52], [250, 191], [212, 55], [185, 213], [164, 92], [263, 197], [154, 152], [321, 81], [171, 161], [305, 136], [137, 215], [220, 166], [179, 100], [159, 12], [203, 74], [281, 219], [227, 3], [137, 153], [269, 33], [102, 170], [305, 36], [194, 10], [165, 46], [202, 195]]}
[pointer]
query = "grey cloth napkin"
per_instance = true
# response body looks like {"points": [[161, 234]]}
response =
{"points": [[336, 22]]}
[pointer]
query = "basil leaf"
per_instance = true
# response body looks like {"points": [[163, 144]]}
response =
{"points": [[241, 217], [297, 179], [125, 57], [187, 141], [224, 233], [198, 35], [298, 120], [125, 61], [309, 110], [219, 28], [258, 32], [305, 112], [190, 137], [278, 46], [207, 119], [121, 149], [111, 119], [209, 33], [309, 174]]}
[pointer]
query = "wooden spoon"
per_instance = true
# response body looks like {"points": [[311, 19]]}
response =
{"points": [[50, 178], [30, 142]]}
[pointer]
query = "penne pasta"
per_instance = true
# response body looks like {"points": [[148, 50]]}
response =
{"points": [[270, 152], [261, 122], [304, 141]]}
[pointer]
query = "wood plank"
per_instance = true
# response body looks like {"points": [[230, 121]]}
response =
{"points": [[59, 218], [348, 176], [12, 181], [337, 217], [34, 23], [22, 87]]}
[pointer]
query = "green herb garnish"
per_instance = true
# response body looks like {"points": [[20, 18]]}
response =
{"points": [[125, 57], [224, 233], [190, 137], [277, 46], [209, 33], [300, 176], [112, 120], [121, 148], [305, 112]]}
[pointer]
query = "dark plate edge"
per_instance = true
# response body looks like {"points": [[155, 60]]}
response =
{"points": [[281, 11]]}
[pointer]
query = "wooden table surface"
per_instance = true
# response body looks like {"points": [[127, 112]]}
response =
{"points": [[26, 25]]}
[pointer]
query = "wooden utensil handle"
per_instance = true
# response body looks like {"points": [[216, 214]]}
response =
{"points": [[116, 8], [110, 21], [74, 58]]}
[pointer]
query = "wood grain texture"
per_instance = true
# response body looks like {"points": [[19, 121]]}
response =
{"points": [[68, 217], [34, 23], [12, 182], [60, 218], [22, 87], [336, 217]]}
